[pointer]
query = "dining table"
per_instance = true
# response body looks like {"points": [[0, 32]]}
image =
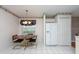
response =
{"points": [[24, 39]]}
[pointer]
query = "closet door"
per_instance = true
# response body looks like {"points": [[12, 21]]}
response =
{"points": [[51, 33], [64, 30]]}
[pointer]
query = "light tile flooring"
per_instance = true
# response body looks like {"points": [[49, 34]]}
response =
{"points": [[41, 50]]}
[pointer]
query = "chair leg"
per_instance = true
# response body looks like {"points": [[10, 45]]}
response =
{"points": [[25, 47], [14, 46], [36, 45]]}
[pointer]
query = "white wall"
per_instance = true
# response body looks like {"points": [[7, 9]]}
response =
{"points": [[9, 25], [39, 29]]}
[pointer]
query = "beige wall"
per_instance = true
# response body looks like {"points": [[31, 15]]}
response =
{"points": [[39, 29], [75, 27], [8, 26]]}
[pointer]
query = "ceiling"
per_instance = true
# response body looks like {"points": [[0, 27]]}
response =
{"points": [[38, 10]]}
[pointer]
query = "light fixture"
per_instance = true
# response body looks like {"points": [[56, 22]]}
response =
{"points": [[25, 22], [29, 22]]}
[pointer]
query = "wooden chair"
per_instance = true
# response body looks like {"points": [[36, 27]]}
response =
{"points": [[33, 41], [16, 41]]}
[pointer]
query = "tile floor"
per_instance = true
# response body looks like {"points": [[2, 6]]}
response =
{"points": [[41, 50]]}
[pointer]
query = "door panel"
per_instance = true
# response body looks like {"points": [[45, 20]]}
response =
{"points": [[51, 33], [48, 37], [64, 31]]}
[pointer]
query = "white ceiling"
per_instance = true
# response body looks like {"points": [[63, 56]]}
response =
{"points": [[38, 10]]}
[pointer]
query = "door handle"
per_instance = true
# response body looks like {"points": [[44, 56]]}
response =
{"points": [[47, 31]]}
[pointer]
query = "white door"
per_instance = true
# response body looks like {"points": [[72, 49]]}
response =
{"points": [[64, 30], [51, 33], [48, 34]]}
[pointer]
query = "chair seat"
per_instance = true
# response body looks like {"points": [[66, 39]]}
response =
{"points": [[32, 40], [18, 41]]}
